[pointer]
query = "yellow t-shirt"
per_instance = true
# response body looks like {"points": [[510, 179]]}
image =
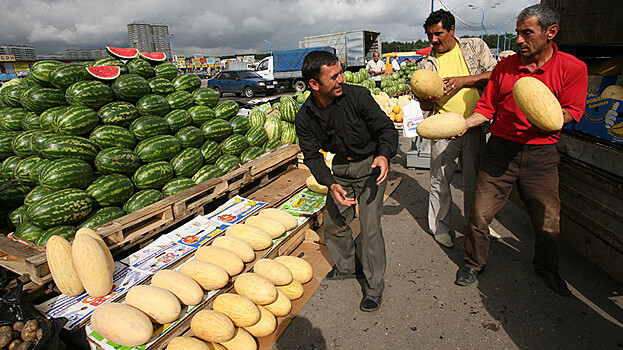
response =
{"points": [[463, 101]]}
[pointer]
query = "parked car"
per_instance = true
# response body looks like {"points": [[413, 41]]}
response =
{"points": [[202, 74], [242, 82]]}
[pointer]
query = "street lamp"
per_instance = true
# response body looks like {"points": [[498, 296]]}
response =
{"points": [[167, 45], [270, 45], [499, 30], [487, 8]]}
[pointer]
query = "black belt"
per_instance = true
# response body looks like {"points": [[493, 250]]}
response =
{"points": [[357, 158]]}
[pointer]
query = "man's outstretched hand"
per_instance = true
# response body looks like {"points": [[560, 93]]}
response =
{"points": [[382, 163], [339, 193]]}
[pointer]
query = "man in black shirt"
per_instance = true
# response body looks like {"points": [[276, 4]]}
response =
{"points": [[345, 120]]}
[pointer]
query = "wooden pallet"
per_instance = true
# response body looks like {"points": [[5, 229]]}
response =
{"points": [[141, 227]]}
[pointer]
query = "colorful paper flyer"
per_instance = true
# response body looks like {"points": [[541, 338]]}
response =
{"points": [[235, 210], [197, 232], [305, 203], [158, 255]]}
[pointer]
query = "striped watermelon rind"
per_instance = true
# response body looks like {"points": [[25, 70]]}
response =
{"points": [[67, 146], [107, 136], [201, 114], [226, 162], [256, 136], [271, 145], [160, 86], [75, 120], [35, 195], [240, 124], [234, 145], [153, 175], [66, 173], [149, 126], [186, 82], [190, 136], [110, 190], [250, 153], [141, 199], [140, 67], [177, 185], [226, 109], [257, 118], [166, 70], [211, 151], [60, 208], [205, 97], [118, 113], [153, 105], [158, 148], [216, 129], [24, 167], [177, 119], [206, 173], [65, 231], [38, 100], [180, 100], [89, 93], [46, 119], [22, 144], [130, 87], [101, 217], [273, 129], [187, 162], [12, 194], [117, 160]]}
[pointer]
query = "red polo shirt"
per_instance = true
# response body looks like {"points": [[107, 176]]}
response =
{"points": [[563, 74]]}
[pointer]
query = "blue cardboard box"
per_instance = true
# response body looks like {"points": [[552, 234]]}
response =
{"points": [[602, 118]]}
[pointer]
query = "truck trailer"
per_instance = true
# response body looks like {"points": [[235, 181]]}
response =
{"points": [[353, 48]]}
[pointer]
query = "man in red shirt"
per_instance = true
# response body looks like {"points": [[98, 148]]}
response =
{"points": [[520, 154]]}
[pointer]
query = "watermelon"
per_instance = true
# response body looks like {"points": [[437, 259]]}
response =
{"points": [[11, 95], [205, 97], [38, 138], [8, 167], [206, 173], [28, 231], [288, 110], [234, 145], [216, 129], [12, 194], [110, 190], [22, 172], [19, 215], [149, 126], [21, 144], [187, 162], [226, 162], [276, 106], [288, 135], [158, 148], [271, 145], [177, 185], [107, 136], [40, 71], [11, 118], [177, 119], [101, 217], [226, 110], [211, 151], [141, 67], [122, 53], [153, 175], [160, 86], [273, 129], [201, 114], [56, 147], [117, 160], [141, 199], [257, 118], [66, 173], [38, 100], [180, 100], [89, 93], [75, 120], [153, 105], [31, 121], [110, 61], [35, 170], [35, 195], [6, 139], [190, 136], [166, 70], [118, 113], [46, 119], [186, 82], [104, 72], [153, 57], [67, 232], [240, 124], [251, 153], [130, 87], [60, 208]]}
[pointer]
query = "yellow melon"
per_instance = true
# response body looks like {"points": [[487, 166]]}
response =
{"points": [[426, 83], [314, 186], [538, 104], [293, 290], [281, 307], [265, 326], [274, 271], [187, 343], [157, 303], [256, 237], [183, 287], [92, 265], [58, 255], [441, 126], [122, 324], [239, 246], [224, 258], [212, 326], [273, 227], [209, 276], [255, 287], [98, 238], [301, 270], [288, 220], [242, 311], [613, 91], [242, 340]]}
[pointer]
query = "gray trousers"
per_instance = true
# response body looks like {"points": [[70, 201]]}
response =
{"points": [[359, 180], [443, 164]]}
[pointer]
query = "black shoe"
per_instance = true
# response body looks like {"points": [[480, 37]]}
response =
{"points": [[466, 276], [370, 303], [333, 275], [555, 282]]}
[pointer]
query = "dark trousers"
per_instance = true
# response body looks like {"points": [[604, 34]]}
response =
{"points": [[359, 180], [534, 170]]}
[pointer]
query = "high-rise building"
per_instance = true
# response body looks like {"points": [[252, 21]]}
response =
{"points": [[150, 37], [84, 54], [21, 53]]}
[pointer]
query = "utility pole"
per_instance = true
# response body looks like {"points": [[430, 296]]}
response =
{"points": [[499, 30], [270, 45], [482, 23]]}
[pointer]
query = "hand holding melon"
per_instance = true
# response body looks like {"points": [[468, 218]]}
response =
{"points": [[441, 126], [538, 104]]}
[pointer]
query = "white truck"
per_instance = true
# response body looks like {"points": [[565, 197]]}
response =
{"points": [[354, 48], [237, 65]]}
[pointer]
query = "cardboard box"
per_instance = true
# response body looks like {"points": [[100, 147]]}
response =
{"points": [[602, 118]]}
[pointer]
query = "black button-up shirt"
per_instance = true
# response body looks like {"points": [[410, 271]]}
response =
{"points": [[354, 126]]}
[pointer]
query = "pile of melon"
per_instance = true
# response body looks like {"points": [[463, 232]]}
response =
{"points": [[392, 106]]}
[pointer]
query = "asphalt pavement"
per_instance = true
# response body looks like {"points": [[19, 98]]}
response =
{"points": [[509, 307]]}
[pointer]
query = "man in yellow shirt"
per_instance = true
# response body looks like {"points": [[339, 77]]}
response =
{"points": [[465, 66]]}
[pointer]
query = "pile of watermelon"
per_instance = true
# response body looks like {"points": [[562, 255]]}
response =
{"points": [[84, 144], [279, 121], [390, 84]]}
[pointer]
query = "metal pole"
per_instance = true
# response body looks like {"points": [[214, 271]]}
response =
{"points": [[482, 23], [432, 5]]}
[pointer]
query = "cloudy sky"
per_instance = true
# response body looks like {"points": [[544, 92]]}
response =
{"points": [[213, 28]]}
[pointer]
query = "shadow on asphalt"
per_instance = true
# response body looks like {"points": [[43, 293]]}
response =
{"points": [[307, 337]]}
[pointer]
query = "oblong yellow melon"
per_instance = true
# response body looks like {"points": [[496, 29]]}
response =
{"points": [[314, 186], [538, 104], [276, 272], [255, 287], [257, 238], [98, 238], [239, 246], [426, 83], [122, 324], [613, 91], [288, 220], [212, 326], [224, 258], [187, 343], [293, 290], [157, 303], [242, 311], [265, 326], [209, 276], [242, 340], [273, 227], [183, 287], [441, 126], [91, 264], [301, 270], [58, 255], [281, 307]]}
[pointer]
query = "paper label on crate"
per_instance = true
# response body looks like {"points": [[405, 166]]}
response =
{"points": [[79, 308], [304, 203], [197, 232], [235, 210], [158, 255], [160, 332]]}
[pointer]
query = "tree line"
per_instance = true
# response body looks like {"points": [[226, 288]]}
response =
{"points": [[490, 39]]}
